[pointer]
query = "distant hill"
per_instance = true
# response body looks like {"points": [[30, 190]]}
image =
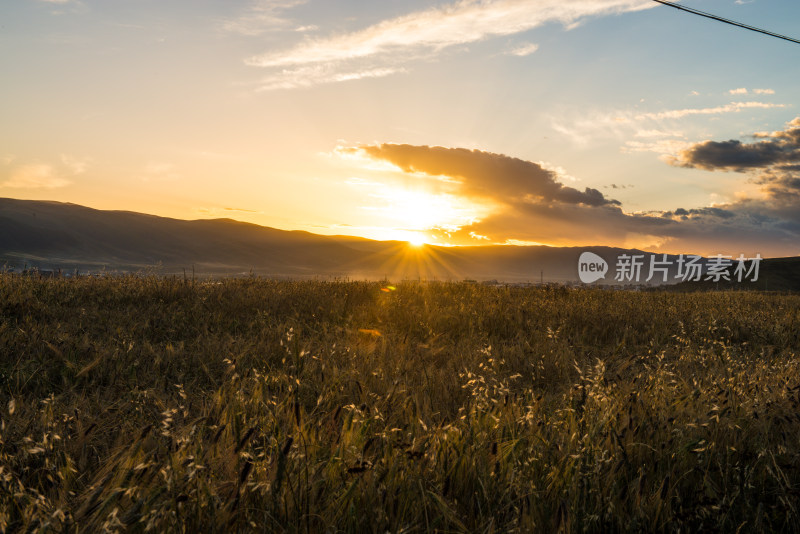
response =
{"points": [[54, 235]]}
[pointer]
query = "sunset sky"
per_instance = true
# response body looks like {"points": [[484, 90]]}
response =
{"points": [[559, 122]]}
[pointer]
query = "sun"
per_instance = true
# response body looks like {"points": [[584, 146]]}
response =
{"points": [[413, 213], [416, 240], [417, 214]]}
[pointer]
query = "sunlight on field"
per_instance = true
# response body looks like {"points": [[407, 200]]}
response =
{"points": [[150, 404]]}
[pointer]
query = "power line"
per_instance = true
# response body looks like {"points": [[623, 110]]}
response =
{"points": [[727, 21]]}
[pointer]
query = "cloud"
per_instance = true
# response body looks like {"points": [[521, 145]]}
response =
{"points": [[523, 50], [654, 124], [75, 165], [436, 28], [733, 107], [781, 148], [712, 211], [485, 174], [309, 76], [263, 16], [428, 32], [658, 133], [733, 155], [665, 147], [35, 176], [529, 204], [744, 91]]}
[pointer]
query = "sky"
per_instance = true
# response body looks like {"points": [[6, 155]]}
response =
{"points": [[460, 122]]}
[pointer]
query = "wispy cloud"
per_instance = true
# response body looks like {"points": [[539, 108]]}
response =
{"points": [[459, 23], [35, 176], [744, 91], [733, 107], [523, 50], [309, 76], [263, 16], [658, 133], [75, 165], [653, 124], [660, 146], [428, 32]]}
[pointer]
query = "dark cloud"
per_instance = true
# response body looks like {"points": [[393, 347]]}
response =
{"points": [[699, 212], [781, 148], [485, 174]]}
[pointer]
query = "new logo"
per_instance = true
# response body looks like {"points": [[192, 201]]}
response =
{"points": [[591, 267]]}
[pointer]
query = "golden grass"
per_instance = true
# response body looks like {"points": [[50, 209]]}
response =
{"points": [[156, 405]]}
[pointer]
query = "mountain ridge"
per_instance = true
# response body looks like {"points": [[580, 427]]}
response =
{"points": [[51, 235]]}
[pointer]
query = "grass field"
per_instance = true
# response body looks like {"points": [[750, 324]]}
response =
{"points": [[147, 404]]}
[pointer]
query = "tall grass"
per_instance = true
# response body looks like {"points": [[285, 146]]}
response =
{"points": [[157, 405]]}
